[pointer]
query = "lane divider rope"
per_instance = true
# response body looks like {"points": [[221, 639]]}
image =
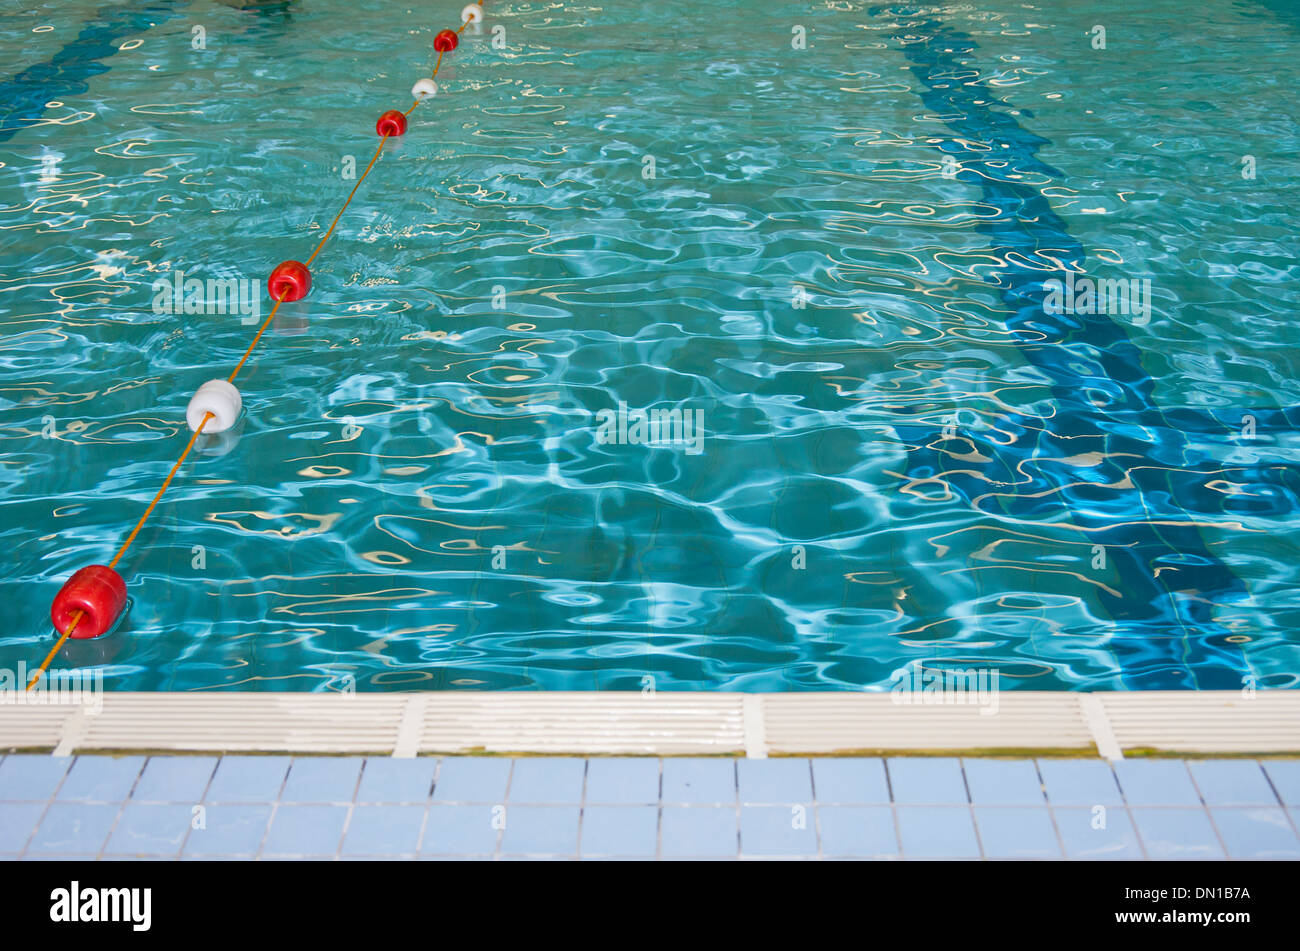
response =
{"points": [[93, 599]]}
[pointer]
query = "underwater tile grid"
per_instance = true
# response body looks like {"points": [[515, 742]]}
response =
{"points": [[463, 807]]}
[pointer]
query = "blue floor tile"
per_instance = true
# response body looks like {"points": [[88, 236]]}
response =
{"points": [[1156, 782], [1075, 782], [547, 780], [306, 830], [1286, 779], [541, 830], [1258, 833], [175, 779], [1232, 782], [1177, 833], [778, 830], [1101, 832], [922, 780], [698, 831], [1016, 832], [994, 782], [863, 831], [31, 777], [629, 781], [17, 820], [229, 831], [248, 779], [620, 830], [462, 830], [774, 781], [389, 780], [384, 830], [74, 828], [937, 832], [149, 829], [322, 779], [699, 780], [472, 779], [845, 780], [101, 778]]}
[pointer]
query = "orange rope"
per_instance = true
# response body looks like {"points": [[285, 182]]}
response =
{"points": [[373, 159], [78, 615], [76, 618]]}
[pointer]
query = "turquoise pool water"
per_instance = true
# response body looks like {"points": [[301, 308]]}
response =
{"points": [[833, 261]]}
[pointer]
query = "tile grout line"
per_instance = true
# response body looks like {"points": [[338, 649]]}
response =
{"points": [[202, 803], [1051, 812], [260, 854], [970, 806], [428, 805], [1205, 809], [121, 807]]}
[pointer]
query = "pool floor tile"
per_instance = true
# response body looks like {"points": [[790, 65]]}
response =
{"points": [[175, 779], [101, 778], [1232, 782], [248, 779], [541, 830], [762, 781], [388, 780], [778, 830], [937, 832], [548, 780], [844, 780], [688, 780], [384, 830], [229, 830], [863, 831], [633, 780], [1256, 833], [462, 830], [306, 830], [994, 782], [1080, 782], [926, 780], [322, 779], [1177, 833], [689, 831], [17, 820], [31, 776], [1016, 832], [1285, 774], [1156, 783], [472, 779], [1098, 832], [149, 829], [74, 828], [619, 830]]}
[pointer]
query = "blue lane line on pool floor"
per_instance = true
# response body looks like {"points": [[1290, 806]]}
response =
{"points": [[23, 98], [1162, 639]]}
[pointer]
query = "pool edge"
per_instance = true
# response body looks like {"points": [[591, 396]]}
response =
{"points": [[1111, 725]]}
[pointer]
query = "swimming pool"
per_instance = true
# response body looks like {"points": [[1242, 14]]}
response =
{"points": [[831, 261]]}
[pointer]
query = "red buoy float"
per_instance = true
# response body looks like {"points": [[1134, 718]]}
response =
{"points": [[98, 592], [391, 122], [446, 41], [290, 279]]}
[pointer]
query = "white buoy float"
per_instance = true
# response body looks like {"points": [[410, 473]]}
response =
{"points": [[221, 399], [424, 89]]}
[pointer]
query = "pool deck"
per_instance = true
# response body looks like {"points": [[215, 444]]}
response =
{"points": [[1197, 775], [465, 807]]}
